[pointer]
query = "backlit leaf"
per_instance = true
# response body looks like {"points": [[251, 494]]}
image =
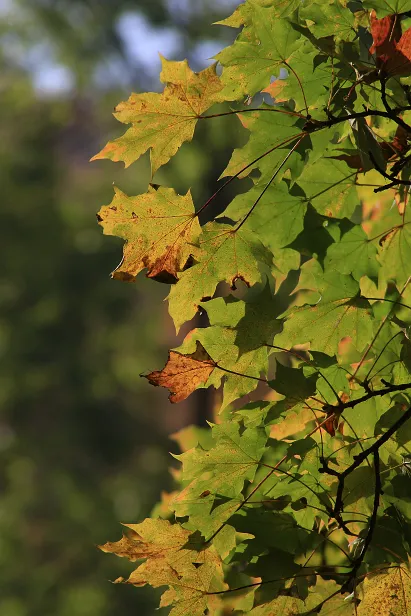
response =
{"points": [[159, 228], [172, 558], [297, 269], [163, 122], [265, 45], [225, 255], [387, 592], [184, 373]]}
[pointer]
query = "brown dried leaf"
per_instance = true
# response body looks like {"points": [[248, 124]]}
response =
{"points": [[182, 374], [391, 47]]}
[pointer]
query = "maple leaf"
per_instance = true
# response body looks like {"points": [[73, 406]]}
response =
{"points": [[159, 227], [338, 312], [216, 357], [279, 122], [173, 557], [387, 7], [162, 122], [390, 591], [265, 44], [312, 92], [279, 219], [395, 250], [330, 187], [219, 471], [330, 19], [353, 254], [225, 254], [182, 374], [391, 48], [243, 13]]}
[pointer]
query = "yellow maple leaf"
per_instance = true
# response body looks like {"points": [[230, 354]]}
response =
{"points": [[160, 228], [174, 558], [163, 122]]}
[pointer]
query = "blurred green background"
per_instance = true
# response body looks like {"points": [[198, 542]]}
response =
{"points": [[83, 440]]}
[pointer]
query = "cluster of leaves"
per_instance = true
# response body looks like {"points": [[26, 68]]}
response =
{"points": [[298, 499]]}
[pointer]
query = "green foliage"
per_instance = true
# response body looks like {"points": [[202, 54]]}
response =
{"points": [[297, 502]]}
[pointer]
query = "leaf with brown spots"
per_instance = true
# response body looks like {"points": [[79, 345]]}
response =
{"points": [[174, 558], [161, 123], [182, 374], [387, 593], [159, 228]]}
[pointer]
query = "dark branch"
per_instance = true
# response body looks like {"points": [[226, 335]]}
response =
{"points": [[339, 408], [373, 522]]}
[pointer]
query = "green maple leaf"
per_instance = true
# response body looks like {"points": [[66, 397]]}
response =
{"points": [[308, 496], [259, 324], [278, 217], [387, 7], [253, 318], [293, 383], [332, 376], [330, 187], [339, 312], [395, 251], [364, 417], [224, 255], [387, 359], [335, 603], [268, 128], [219, 472], [159, 228], [354, 254], [282, 606], [243, 13], [265, 44], [326, 18], [161, 123], [309, 81]]}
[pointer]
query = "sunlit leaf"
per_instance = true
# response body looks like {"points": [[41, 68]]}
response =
{"points": [[161, 123], [159, 228]]}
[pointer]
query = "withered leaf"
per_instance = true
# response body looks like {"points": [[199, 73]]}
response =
{"points": [[391, 47], [182, 374]]}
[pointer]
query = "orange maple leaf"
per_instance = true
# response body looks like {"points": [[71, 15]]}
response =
{"points": [[391, 48], [182, 374]]}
